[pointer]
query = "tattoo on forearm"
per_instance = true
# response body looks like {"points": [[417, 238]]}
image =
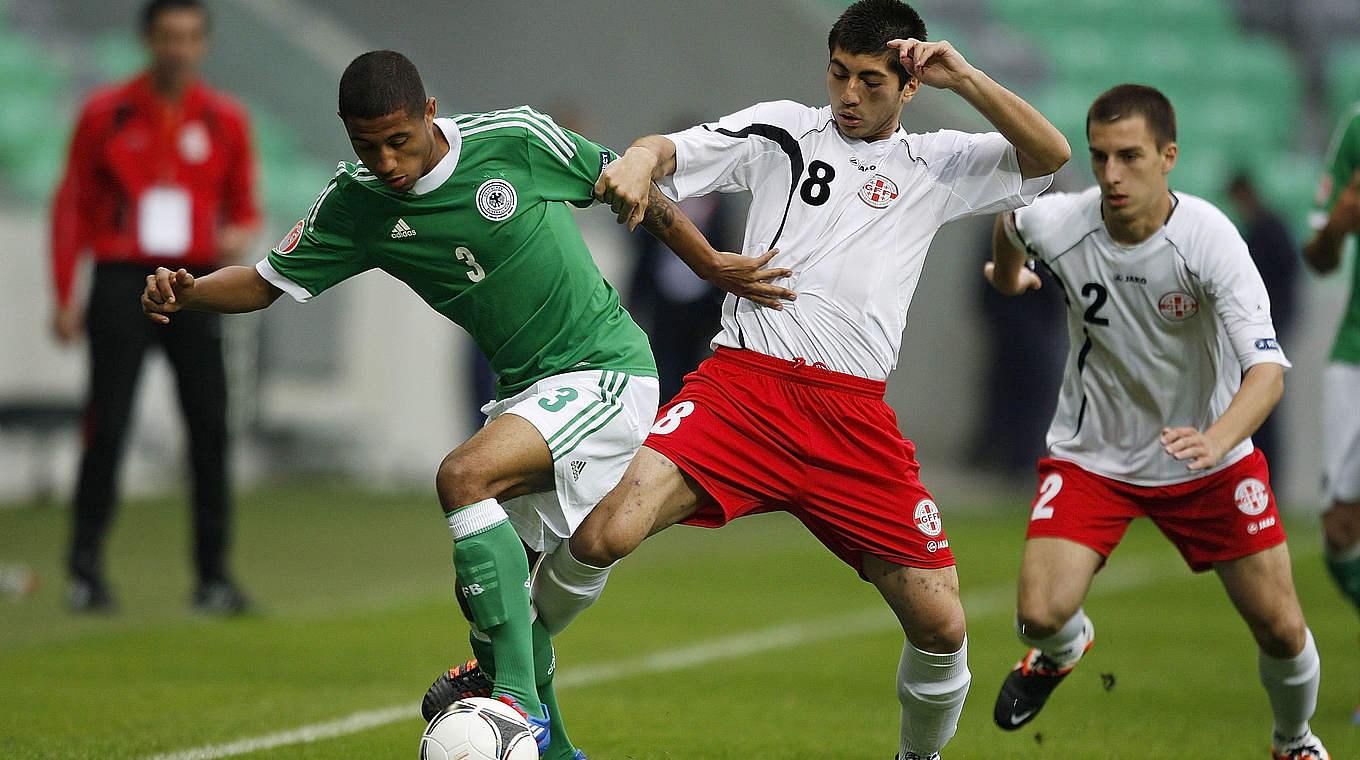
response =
{"points": [[660, 215]]}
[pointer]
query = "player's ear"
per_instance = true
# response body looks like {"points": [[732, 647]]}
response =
{"points": [[1169, 153], [909, 89], [430, 109]]}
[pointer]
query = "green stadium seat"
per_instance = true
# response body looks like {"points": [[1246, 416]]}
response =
{"points": [[117, 55], [1342, 76], [23, 62]]}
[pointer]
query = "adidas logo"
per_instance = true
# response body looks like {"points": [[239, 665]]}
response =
{"points": [[576, 466], [402, 230]]}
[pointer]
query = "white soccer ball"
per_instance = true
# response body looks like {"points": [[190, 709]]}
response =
{"points": [[478, 729]]}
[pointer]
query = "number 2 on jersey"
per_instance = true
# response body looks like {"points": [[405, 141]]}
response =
{"points": [[1049, 489], [464, 255]]}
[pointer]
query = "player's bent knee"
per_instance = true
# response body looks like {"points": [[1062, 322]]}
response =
{"points": [[1041, 622], [460, 482], [942, 634], [1282, 635], [601, 544]]}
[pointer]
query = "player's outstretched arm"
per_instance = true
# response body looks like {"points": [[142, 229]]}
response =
{"points": [[1261, 389], [230, 290], [1323, 251], [1041, 148], [742, 276], [1007, 271]]}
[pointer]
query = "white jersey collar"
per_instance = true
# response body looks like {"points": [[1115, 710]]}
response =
{"points": [[444, 169]]}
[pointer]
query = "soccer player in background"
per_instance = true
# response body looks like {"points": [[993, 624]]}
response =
{"points": [[160, 173], [470, 212], [789, 414], [1335, 220], [1173, 363]]}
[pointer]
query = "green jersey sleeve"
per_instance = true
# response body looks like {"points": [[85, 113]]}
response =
{"points": [[320, 251], [564, 164], [1343, 158]]}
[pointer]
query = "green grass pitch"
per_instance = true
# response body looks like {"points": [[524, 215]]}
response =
{"points": [[747, 642]]}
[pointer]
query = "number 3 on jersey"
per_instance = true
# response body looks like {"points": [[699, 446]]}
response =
{"points": [[1049, 489], [464, 255], [671, 419]]}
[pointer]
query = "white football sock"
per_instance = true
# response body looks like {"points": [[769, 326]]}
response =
{"points": [[1292, 685], [563, 587], [931, 688], [1066, 646]]}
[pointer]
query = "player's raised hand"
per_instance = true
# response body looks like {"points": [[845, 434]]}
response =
{"points": [[1346, 208], [1189, 443], [163, 292], [625, 185], [745, 277], [936, 64], [1024, 279]]}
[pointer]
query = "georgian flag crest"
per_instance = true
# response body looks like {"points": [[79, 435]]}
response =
{"points": [[879, 191]]}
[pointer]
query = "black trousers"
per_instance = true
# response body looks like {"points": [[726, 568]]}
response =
{"points": [[119, 336]]}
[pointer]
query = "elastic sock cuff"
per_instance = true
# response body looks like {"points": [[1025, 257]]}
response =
{"points": [[927, 666], [1070, 631], [1342, 556], [475, 518], [572, 570], [1288, 667]]}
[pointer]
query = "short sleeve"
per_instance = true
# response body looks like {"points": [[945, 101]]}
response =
{"points": [[714, 156], [980, 171], [1239, 296], [565, 165], [319, 252], [1343, 158]]}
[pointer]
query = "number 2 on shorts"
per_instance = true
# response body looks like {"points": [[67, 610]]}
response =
{"points": [[1050, 488], [671, 420]]}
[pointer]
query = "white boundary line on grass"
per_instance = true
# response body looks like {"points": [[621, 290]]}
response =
{"points": [[872, 620]]}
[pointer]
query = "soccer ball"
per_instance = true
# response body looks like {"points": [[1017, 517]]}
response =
{"points": [[478, 729]]}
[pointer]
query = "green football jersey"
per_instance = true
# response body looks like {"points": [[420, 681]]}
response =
{"points": [[487, 240], [1343, 158]]}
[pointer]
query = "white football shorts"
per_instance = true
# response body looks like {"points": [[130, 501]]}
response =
{"points": [[1341, 432], [593, 422]]}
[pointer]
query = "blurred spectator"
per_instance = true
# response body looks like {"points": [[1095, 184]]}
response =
{"points": [[160, 174], [1026, 345], [1273, 249]]}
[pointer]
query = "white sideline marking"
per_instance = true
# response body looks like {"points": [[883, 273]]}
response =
{"points": [[980, 603]]}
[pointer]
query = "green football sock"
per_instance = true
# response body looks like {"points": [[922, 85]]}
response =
{"points": [[492, 572], [1345, 569], [544, 669]]}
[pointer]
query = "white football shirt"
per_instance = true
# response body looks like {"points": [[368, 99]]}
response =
{"points": [[1160, 332], [852, 219]]}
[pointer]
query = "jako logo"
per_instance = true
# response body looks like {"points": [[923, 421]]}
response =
{"points": [[1267, 344]]}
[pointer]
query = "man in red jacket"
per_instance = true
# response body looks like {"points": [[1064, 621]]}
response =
{"points": [[160, 174]]}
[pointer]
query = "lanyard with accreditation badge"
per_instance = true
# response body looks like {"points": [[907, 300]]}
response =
{"points": [[164, 210]]}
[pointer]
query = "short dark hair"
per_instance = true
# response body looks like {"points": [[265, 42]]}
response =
{"points": [[1125, 100], [153, 9], [867, 26], [378, 83]]}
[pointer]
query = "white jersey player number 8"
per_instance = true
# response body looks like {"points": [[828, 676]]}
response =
{"points": [[1050, 488], [671, 420]]}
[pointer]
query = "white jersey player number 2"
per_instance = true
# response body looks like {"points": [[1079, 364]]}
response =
{"points": [[1049, 489]]}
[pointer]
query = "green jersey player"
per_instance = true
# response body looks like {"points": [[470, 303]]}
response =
{"points": [[1337, 218], [470, 212]]}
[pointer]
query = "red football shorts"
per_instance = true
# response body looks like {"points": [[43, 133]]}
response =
{"points": [[761, 434], [1215, 518]]}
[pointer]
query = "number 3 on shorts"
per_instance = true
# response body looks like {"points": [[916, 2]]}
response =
{"points": [[671, 420], [1050, 488]]}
